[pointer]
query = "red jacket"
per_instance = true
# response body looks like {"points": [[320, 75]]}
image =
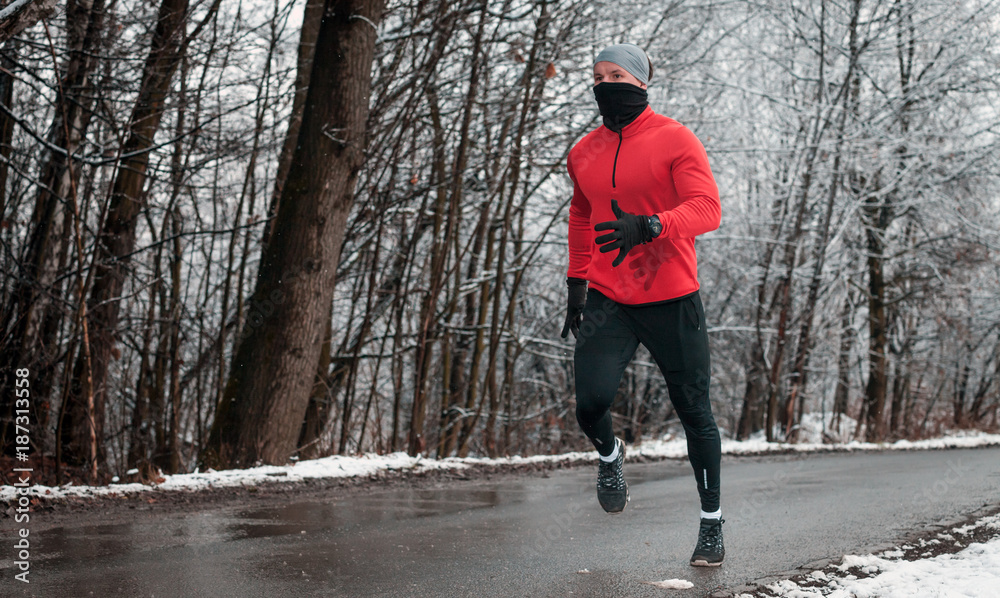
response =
{"points": [[661, 168]]}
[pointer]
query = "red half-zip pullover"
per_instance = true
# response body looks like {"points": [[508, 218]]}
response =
{"points": [[661, 168]]}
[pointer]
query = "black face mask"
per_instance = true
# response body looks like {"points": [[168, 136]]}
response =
{"points": [[620, 103]]}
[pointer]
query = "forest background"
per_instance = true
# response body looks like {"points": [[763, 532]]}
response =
{"points": [[237, 232]]}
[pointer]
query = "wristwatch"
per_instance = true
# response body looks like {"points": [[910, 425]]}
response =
{"points": [[655, 226]]}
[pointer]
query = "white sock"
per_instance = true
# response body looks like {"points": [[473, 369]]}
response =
{"points": [[715, 515], [612, 456]]}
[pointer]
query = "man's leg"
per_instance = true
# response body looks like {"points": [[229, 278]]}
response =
{"points": [[689, 394], [604, 346], [676, 336]]}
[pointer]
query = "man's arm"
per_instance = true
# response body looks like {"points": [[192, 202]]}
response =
{"points": [[700, 210], [581, 237]]}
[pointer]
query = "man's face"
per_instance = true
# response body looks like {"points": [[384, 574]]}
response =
{"points": [[611, 72]]}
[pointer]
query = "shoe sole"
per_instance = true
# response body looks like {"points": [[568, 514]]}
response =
{"points": [[612, 510], [702, 563]]}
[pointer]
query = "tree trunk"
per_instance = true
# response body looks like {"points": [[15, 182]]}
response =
{"points": [[778, 413], [311, 19], [343, 373], [752, 412], [320, 398], [842, 393], [802, 352], [140, 435], [440, 246], [7, 54], [819, 127], [961, 391], [457, 348], [878, 331], [465, 369], [32, 319], [900, 391], [149, 411], [274, 366], [116, 239], [756, 404], [174, 357], [506, 228]]}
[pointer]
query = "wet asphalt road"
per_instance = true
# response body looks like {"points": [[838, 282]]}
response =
{"points": [[514, 536]]}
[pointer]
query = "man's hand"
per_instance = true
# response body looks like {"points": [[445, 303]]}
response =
{"points": [[627, 232], [576, 301]]}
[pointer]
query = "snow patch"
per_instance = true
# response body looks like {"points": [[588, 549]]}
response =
{"points": [[868, 563], [820, 575], [972, 572], [671, 584]]}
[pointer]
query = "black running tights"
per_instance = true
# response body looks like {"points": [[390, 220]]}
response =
{"points": [[675, 334]]}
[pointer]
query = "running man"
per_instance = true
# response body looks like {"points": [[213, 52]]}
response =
{"points": [[642, 191]]}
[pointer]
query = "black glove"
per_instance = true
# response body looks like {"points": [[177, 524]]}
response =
{"points": [[627, 232], [575, 303]]}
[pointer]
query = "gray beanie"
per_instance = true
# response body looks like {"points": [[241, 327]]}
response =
{"points": [[628, 56]]}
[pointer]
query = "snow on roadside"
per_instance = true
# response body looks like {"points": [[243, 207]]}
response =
{"points": [[368, 464], [671, 584], [758, 444], [972, 572]]}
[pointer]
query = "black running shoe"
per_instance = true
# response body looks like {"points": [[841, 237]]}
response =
{"points": [[612, 491], [709, 552]]}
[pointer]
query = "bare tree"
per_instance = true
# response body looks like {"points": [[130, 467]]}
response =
{"points": [[82, 417], [268, 391]]}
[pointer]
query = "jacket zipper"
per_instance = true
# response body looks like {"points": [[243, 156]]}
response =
{"points": [[614, 167]]}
